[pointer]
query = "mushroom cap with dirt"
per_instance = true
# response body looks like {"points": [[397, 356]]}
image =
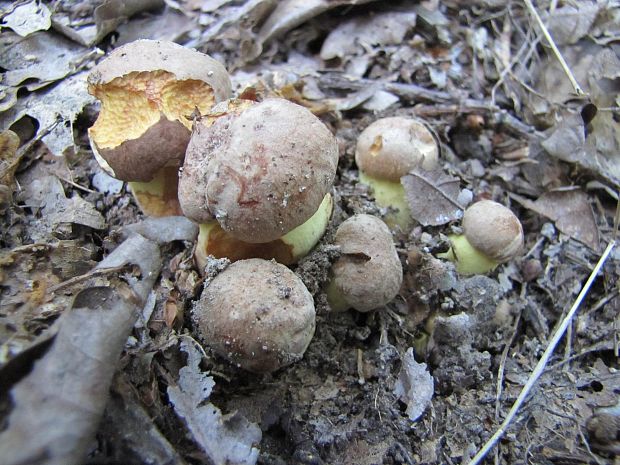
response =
{"points": [[258, 314], [386, 151], [391, 147], [259, 169], [368, 274]]}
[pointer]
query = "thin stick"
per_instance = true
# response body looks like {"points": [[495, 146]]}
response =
{"points": [[81, 278], [542, 363], [555, 49]]}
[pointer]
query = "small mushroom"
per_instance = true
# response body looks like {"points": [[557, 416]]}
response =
{"points": [[258, 314], [492, 235], [368, 274], [386, 151], [256, 173], [149, 91]]}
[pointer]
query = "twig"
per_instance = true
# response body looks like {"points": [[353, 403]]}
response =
{"points": [[85, 276], [555, 49], [76, 185], [542, 363]]}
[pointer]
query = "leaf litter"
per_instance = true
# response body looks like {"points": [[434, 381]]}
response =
{"points": [[512, 129]]}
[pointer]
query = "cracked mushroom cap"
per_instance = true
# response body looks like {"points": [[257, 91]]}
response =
{"points": [[148, 91], [260, 169], [391, 147], [257, 314], [493, 229], [368, 274]]}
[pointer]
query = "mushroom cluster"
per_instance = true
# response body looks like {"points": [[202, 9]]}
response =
{"points": [[257, 177]]}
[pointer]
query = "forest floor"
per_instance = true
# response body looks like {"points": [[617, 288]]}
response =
{"points": [[511, 127]]}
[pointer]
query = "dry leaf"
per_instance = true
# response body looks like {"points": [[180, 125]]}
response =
{"points": [[107, 17], [571, 212], [415, 386], [28, 18], [229, 439], [569, 24], [350, 37], [55, 109], [291, 13], [433, 196]]}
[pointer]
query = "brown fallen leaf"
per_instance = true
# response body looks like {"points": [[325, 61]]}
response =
{"points": [[433, 196], [571, 212]]}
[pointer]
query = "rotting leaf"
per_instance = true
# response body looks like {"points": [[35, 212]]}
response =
{"points": [[433, 196], [571, 212], [414, 386], [229, 439]]}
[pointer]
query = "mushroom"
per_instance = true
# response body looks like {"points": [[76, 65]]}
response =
{"points": [[368, 274], [255, 174], [149, 91], [258, 314], [386, 151], [492, 235]]}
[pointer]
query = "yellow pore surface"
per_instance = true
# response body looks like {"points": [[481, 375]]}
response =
{"points": [[131, 104]]}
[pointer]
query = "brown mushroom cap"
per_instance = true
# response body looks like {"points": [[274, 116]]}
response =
{"points": [[391, 147], [260, 172], [368, 274], [493, 229], [257, 314], [148, 90]]}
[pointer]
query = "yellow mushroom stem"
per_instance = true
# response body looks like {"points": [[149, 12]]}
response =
{"points": [[336, 300], [158, 197], [213, 240], [467, 259], [390, 194]]}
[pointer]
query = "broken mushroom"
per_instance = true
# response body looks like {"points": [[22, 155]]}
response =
{"points": [[258, 314], [257, 177], [492, 235], [368, 274], [386, 151], [149, 91]]}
